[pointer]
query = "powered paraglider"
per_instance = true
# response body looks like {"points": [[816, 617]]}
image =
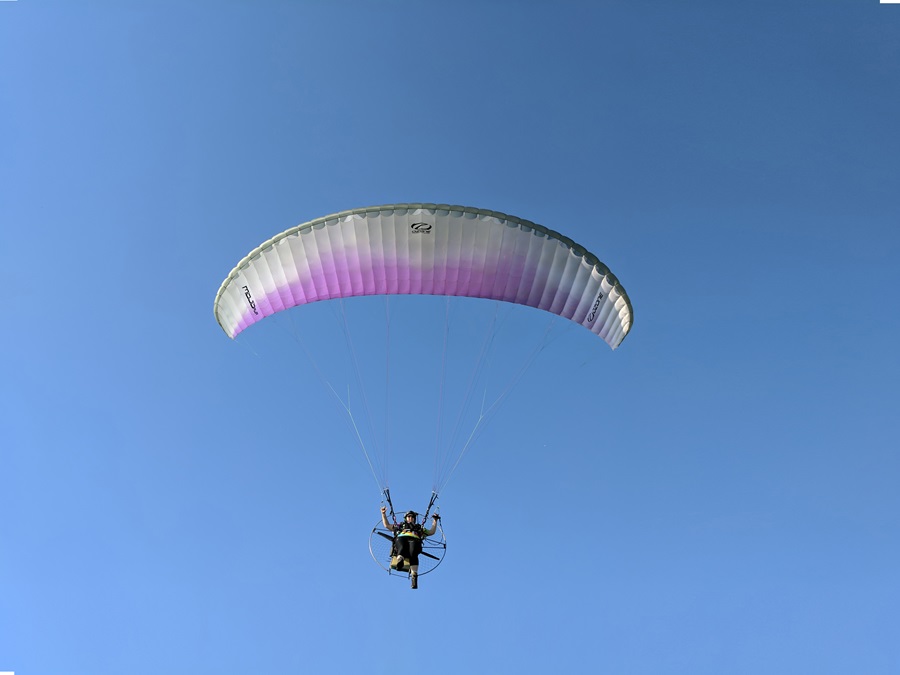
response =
{"points": [[429, 250]]}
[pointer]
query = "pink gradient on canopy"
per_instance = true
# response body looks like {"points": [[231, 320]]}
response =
{"points": [[332, 279]]}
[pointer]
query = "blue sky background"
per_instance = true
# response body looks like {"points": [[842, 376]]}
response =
{"points": [[717, 496]]}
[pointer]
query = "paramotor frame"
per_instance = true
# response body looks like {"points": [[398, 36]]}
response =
{"points": [[381, 541]]}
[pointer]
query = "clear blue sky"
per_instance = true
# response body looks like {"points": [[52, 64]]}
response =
{"points": [[719, 495]]}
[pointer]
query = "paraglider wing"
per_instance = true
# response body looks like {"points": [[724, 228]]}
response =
{"points": [[426, 249]]}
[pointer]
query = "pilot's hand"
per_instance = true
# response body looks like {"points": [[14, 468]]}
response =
{"points": [[436, 516], [383, 509]]}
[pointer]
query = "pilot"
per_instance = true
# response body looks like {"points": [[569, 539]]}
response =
{"points": [[408, 537]]}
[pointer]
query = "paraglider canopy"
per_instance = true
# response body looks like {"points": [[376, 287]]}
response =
{"points": [[427, 249]]}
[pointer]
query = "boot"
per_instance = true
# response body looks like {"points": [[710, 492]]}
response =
{"points": [[413, 579]]}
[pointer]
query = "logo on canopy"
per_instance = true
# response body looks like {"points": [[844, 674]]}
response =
{"points": [[250, 299], [593, 314], [421, 228]]}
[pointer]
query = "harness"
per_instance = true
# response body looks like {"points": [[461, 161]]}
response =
{"points": [[410, 530]]}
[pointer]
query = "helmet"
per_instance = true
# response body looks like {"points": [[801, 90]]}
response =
{"points": [[411, 513]]}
